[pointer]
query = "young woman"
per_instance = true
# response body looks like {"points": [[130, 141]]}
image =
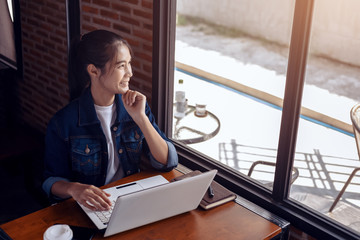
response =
{"points": [[100, 136]]}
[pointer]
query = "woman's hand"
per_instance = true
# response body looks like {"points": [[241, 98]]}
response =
{"points": [[134, 103], [90, 196]]}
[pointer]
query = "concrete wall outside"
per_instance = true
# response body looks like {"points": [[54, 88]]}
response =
{"points": [[335, 27]]}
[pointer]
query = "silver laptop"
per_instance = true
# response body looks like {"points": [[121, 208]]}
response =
{"points": [[150, 200]]}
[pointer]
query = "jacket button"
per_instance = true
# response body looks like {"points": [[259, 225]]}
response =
{"points": [[114, 128], [120, 151], [128, 172], [137, 136], [87, 149]]}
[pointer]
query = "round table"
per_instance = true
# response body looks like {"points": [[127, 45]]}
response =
{"points": [[194, 129]]}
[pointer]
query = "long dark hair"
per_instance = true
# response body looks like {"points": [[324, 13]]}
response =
{"points": [[97, 47]]}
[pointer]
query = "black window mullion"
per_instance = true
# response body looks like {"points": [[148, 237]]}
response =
{"points": [[72, 20], [72, 30], [164, 27], [295, 79]]}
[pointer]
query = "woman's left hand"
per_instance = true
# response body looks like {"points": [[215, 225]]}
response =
{"points": [[134, 103]]}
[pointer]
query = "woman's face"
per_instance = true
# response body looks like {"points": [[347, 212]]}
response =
{"points": [[117, 76]]}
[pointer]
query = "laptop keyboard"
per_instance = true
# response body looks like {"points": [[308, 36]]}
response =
{"points": [[104, 216]]}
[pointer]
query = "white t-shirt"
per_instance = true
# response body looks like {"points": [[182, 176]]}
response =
{"points": [[107, 116]]}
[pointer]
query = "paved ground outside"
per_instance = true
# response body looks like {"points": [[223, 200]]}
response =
{"points": [[324, 157]]}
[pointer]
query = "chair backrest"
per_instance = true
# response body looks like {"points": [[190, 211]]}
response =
{"points": [[355, 119]]}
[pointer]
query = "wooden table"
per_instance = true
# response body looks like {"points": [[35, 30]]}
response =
{"points": [[229, 221]]}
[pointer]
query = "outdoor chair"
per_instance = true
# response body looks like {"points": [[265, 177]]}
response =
{"points": [[355, 119], [294, 176]]}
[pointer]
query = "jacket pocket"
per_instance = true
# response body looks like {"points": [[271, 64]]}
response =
{"points": [[132, 141], [86, 156]]}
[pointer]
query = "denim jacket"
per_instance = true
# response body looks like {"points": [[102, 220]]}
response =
{"points": [[76, 148]]}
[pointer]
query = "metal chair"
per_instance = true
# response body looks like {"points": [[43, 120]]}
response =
{"points": [[355, 119], [294, 176]]}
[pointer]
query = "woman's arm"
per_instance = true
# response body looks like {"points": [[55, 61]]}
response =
{"points": [[134, 103]]}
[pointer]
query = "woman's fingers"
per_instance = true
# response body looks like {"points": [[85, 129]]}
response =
{"points": [[102, 198], [98, 203], [92, 197], [129, 97]]}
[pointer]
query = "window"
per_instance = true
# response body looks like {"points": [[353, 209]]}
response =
{"points": [[288, 132], [326, 151], [10, 43], [239, 62]]}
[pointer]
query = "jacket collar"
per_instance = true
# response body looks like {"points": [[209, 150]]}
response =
{"points": [[87, 113]]}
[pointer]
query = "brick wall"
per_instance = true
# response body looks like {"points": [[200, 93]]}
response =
{"points": [[132, 19], [44, 88]]}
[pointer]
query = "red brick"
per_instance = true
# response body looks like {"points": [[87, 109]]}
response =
{"points": [[48, 44], [103, 3], [147, 68], [27, 42], [109, 14], [49, 74], [130, 20], [89, 9], [61, 33], [86, 18], [87, 28], [32, 22], [122, 28], [47, 27], [148, 26], [39, 17], [147, 47], [142, 77], [134, 2], [56, 70], [146, 35], [41, 47], [147, 4], [55, 53], [53, 21], [143, 14], [121, 7], [135, 64], [133, 43], [42, 33], [101, 22], [53, 5]]}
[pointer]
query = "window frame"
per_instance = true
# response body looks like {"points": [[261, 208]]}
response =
{"points": [[277, 201], [18, 65]]}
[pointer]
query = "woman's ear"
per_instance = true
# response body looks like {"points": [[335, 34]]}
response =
{"points": [[93, 71]]}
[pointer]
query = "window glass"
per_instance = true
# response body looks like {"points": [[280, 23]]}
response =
{"points": [[326, 150], [231, 61], [7, 37]]}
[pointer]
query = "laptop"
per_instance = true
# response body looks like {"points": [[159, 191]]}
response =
{"points": [[149, 200]]}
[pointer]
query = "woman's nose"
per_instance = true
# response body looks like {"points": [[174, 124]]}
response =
{"points": [[129, 71]]}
